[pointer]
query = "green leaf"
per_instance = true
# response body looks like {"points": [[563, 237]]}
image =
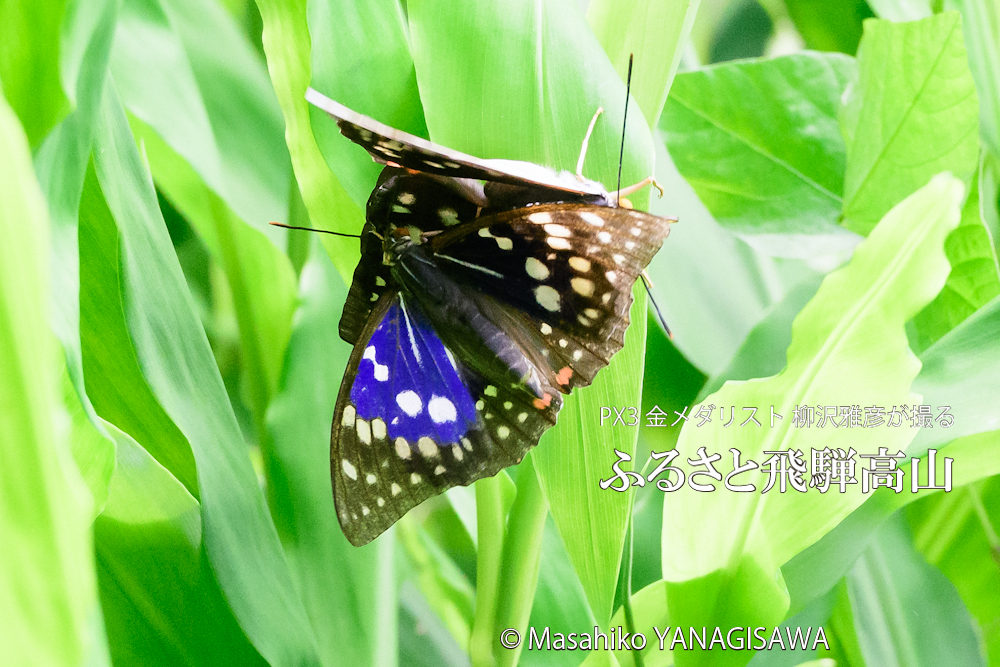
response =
{"points": [[29, 63], [90, 448], [905, 611], [902, 10], [956, 532], [829, 25], [113, 377], [911, 114], [557, 76], [352, 604], [287, 45], [711, 285], [759, 142], [162, 604], [981, 27], [961, 371], [345, 66], [852, 328], [260, 276], [48, 593], [655, 33], [974, 277], [174, 356], [183, 67]]}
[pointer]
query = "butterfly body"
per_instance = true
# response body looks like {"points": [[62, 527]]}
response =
{"points": [[482, 296]]}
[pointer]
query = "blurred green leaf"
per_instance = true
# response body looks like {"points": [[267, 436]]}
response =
{"points": [[962, 371], [902, 10], [829, 25], [114, 380], [287, 45], [162, 604], [852, 328], [974, 277], [92, 453], [260, 276], [174, 356], [956, 532], [981, 27], [760, 144], [29, 63], [818, 568], [558, 75], [560, 602], [378, 82], [348, 592], [655, 32], [48, 593], [424, 641], [184, 68], [905, 611], [911, 114], [711, 285]]}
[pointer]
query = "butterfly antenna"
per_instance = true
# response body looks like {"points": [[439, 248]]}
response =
{"points": [[310, 229], [621, 153], [659, 313]]}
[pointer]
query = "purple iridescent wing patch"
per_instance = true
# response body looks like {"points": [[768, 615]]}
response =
{"points": [[407, 378]]}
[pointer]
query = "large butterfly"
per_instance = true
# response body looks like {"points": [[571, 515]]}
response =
{"points": [[486, 290]]}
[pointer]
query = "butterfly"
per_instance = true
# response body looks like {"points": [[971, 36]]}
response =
{"points": [[486, 290]]}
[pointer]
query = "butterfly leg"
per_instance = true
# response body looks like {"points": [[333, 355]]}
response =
{"points": [[586, 141], [620, 195]]}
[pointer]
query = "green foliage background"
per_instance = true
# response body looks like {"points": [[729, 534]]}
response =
{"points": [[170, 361]]}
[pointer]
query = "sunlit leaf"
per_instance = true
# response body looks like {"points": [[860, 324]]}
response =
{"points": [[911, 114]]}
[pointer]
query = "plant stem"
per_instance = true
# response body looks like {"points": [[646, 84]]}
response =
{"points": [[490, 529], [521, 556], [625, 587]]}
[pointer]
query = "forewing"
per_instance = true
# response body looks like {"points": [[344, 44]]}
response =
{"points": [[567, 270], [412, 420], [389, 145]]}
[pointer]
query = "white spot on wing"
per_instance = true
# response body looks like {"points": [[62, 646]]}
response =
{"points": [[547, 298], [504, 243], [364, 431], [406, 198], [539, 218], [348, 419], [441, 410], [582, 286], [581, 264], [370, 478], [536, 269], [558, 230], [592, 219], [503, 432], [604, 237], [349, 469], [378, 429], [557, 243], [409, 402], [427, 447], [402, 448]]}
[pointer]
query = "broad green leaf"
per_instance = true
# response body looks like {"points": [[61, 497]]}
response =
{"points": [[184, 69], [114, 380], [557, 75], [818, 568], [423, 639], [287, 45], [174, 356], [48, 593], [260, 276], [348, 592], [962, 371], [161, 602], [974, 277], [29, 63], [711, 285], [852, 328], [560, 603], [345, 67], [911, 113], [905, 611], [902, 10], [981, 27], [829, 25], [655, 33], [956, 532], [760, 144], [61, 165], [89, 446], [763, 351]]}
